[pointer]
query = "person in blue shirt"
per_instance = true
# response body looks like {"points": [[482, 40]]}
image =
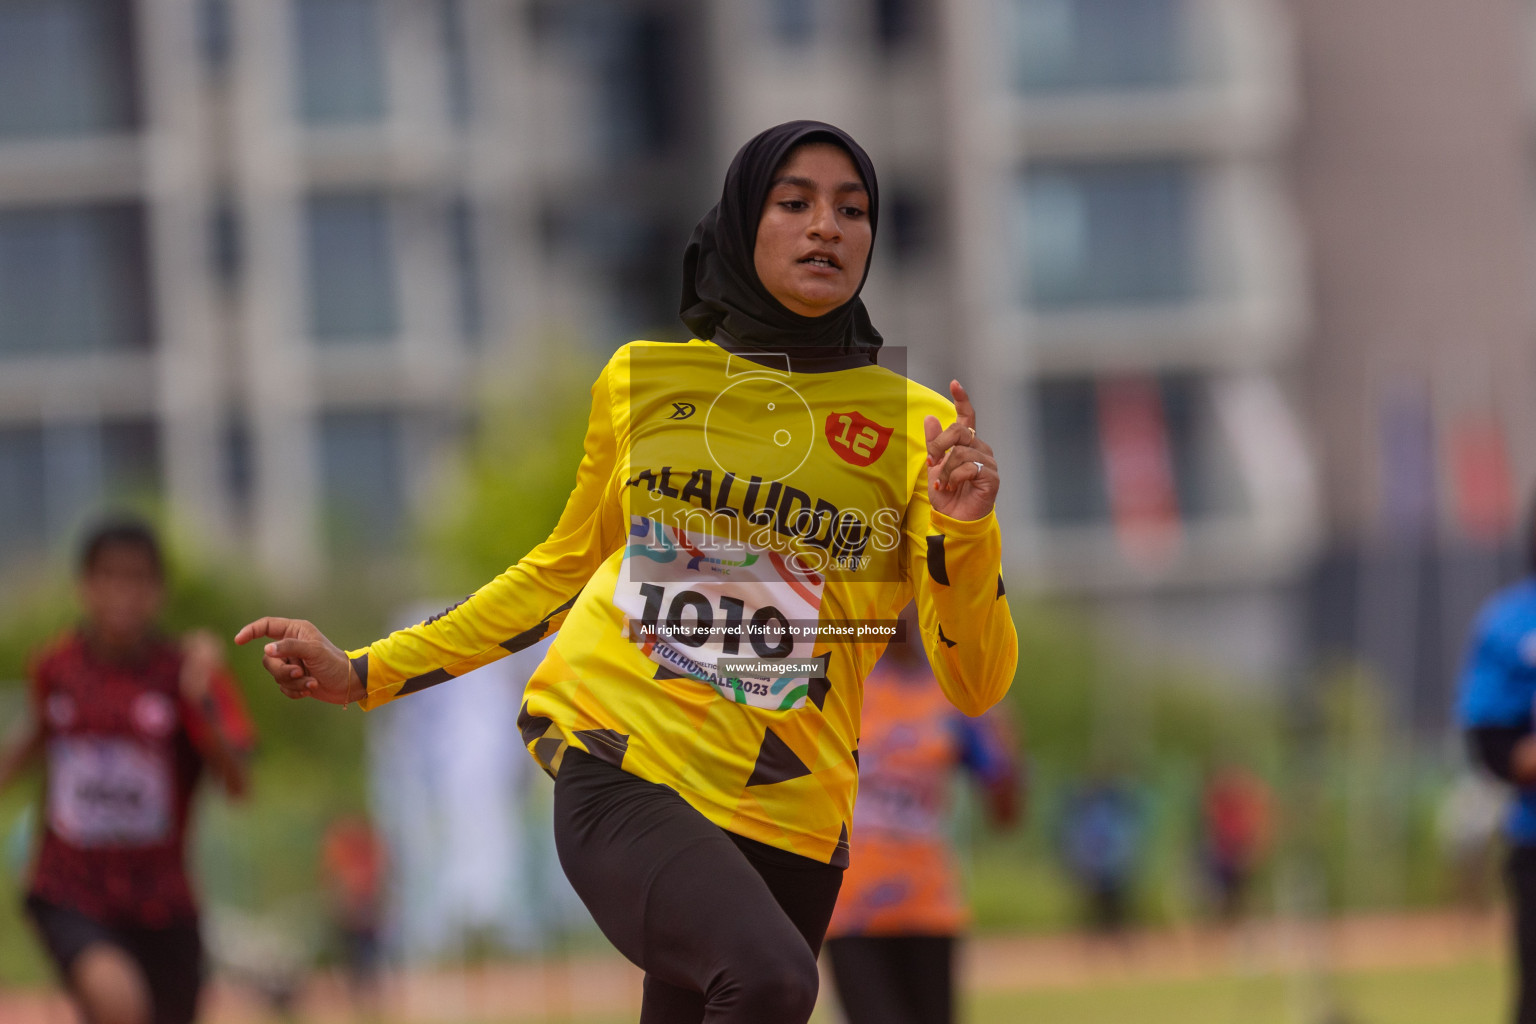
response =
{"points": [[1495, 708]]}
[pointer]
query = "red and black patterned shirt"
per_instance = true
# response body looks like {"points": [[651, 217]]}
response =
{"points": [[123, 757]]}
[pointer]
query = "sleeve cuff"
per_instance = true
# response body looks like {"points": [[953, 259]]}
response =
{"points": [[964, 528]]}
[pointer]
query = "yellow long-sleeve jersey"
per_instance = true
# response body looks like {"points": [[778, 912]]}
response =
{"points": [[730, 565]]}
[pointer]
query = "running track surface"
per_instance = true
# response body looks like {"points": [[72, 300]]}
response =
{"points": [[595, 984]]}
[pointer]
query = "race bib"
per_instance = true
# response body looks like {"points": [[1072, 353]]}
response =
{"points": [[738, 617], [908, 808], [106, 791]]}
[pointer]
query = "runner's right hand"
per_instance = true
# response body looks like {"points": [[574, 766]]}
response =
{"points": [[303, 661]]}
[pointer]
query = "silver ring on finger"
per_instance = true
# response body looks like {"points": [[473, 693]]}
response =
{"points": [[979, 468]]}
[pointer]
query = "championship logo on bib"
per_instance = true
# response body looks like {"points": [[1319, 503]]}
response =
{"points": [[107, 791], [61, 710], [154, 714], [738, 617]]}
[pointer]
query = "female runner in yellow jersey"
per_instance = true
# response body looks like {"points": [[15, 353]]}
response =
{"points": [[752, 510]]}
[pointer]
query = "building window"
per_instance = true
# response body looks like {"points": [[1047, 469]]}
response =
{"points": [[226, 244], [351, 268], [66, 67], [54, 478], [896, 22], [1103, 234], [340, 61], [1060, 45], [465, 244], [793, 21], [216, 33], [637, 76], [1108, 444], [455, 41], [907, 220], [360, 462], [23, 497], [73, 279]]}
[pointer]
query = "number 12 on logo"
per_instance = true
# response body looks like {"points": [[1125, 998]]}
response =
{"points": [[856, 438]]}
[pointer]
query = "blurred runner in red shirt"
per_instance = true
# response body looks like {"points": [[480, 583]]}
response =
{"points": [[892, 937], [1235, 812], [125, 721], [354, 859]]}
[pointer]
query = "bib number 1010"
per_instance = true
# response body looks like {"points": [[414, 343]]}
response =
{"points": [[767, 630]]}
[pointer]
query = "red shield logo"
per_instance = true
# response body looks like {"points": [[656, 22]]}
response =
{"points": [[856, 438]]}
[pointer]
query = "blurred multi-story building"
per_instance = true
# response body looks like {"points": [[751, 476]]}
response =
{"points": [[1086, 221], [1414, 176], [255, 254], [1207, 265], [1138, 307]]}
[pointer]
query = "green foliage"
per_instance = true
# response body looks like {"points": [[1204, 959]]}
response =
{"points": [[516, 476]]}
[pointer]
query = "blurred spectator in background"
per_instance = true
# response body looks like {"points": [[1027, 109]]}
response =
{"points": [[454, 796], [1235, 836], [125, 720], [893, 932], [1498, 686], [1102, 845], [354, 862], [1468, 823]]}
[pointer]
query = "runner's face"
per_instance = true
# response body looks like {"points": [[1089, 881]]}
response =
{"points": [[122, 592], [814, 236]]}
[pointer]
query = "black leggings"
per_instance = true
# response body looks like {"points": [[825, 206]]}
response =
{"points": [[896, 979], [726, 929], [171, 959], [1522, 889]]}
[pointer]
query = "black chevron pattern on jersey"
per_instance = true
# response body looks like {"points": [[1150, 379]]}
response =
{"points": [[426, 679], [605, 744], [528, 637], [820, 686], [776, 762], [532, 727], [938, 570], [840, 855]]}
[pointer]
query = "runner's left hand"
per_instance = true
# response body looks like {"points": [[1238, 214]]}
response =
{"points": [[962, 472], [202, 654]]}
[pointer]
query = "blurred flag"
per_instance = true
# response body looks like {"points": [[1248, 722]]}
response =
{"points": [[1480, 474], [1407, 493], [1138, 466]]}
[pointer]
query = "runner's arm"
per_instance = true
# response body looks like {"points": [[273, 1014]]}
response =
{"points": [[22, 747], [216, 721], [955, 567], [1493, 706], [28, 738], [522, 605]]}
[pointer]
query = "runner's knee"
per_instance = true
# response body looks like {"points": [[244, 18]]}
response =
{"points": [[110, 986], [779, 991]]}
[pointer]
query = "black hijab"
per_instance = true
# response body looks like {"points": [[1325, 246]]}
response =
{"points": [[724, 301]]}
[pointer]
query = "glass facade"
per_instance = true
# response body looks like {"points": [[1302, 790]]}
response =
{"points": [[66, 68], [793, 21], [466, 261], [1069, 45], [23, 494], [351, 268], [73, 279], [455, 43], [340, 60], [54, 477], [363, 480], [1108, 233], [1179, 427]]}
